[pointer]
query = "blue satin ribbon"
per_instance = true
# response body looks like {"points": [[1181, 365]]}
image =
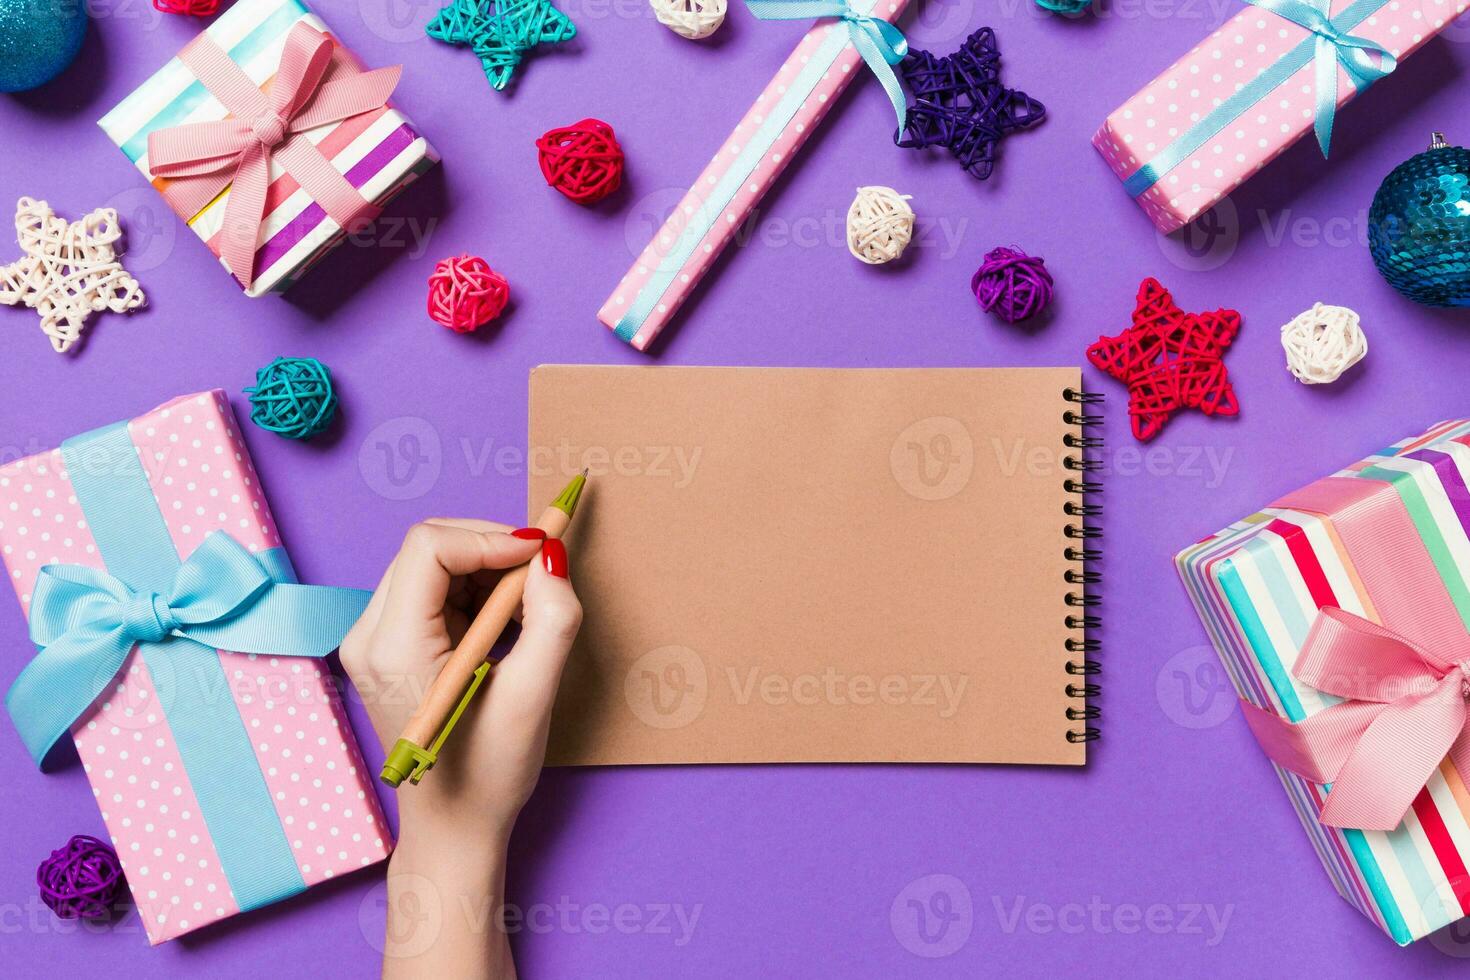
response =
{"points": [[179, 615], [880, 43], [1329, 45]]}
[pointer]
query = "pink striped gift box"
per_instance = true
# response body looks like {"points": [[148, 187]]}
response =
{"points": [[1388, 539], [378, 152], [298, 807]]}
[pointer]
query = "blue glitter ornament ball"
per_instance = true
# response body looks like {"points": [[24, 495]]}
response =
{"points": [[1419, 226], [38, 38]]}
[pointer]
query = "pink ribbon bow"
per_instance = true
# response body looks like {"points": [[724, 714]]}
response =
{"points": [[1405, 712], [200, 159]]}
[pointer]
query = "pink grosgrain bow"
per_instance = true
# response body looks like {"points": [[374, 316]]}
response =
{"points": [[1405, 712], [201, 158]]}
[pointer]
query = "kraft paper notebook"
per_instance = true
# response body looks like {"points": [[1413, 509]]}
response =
{"points": [[819, 565]]}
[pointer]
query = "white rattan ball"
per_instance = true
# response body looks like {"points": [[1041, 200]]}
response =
{"points": [[880, 224], [1322, 343], [693, 19]]}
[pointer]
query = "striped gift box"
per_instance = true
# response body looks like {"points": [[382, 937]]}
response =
{"points": [[379, 152], [1387, 539]]}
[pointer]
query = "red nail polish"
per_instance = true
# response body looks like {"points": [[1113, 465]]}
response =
{"points": [[554, 556], [529, 534]]}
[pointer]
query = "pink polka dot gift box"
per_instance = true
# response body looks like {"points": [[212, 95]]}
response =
{"points": [[176, 649], [761, 146], [1274, 72]]}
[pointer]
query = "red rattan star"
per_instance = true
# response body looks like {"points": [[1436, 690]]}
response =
{"points": [[1169, 360]]}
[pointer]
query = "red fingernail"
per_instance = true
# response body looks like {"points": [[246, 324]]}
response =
{"points": [[554, 556], [529, 534]]}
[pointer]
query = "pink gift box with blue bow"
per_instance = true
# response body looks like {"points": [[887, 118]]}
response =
{"points": [[1274, 72], [178, 652]]}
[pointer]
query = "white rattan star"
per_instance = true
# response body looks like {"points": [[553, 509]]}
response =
{"points": [[69, 270]]}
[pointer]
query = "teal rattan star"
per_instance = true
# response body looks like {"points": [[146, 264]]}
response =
{"points": [[501, 31]]}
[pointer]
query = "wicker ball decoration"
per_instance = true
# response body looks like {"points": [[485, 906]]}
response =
{"points": [[191, 8], [1322, 343], [583, 160], [694, 19], [82, 879], [1012, 285], [293, 397], [1064, 7], [465, 293], [880, 224]]}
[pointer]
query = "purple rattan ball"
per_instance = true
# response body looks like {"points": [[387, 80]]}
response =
{"points": [[1012, 285], [81, 880]]}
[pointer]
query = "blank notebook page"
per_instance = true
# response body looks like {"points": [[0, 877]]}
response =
{"points": [[794, 565]]}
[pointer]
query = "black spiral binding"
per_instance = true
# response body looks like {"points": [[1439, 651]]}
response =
{"points": [[1082, 603]]}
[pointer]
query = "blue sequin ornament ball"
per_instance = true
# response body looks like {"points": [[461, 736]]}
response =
{"points": [[38, 39], [1419, 226]]}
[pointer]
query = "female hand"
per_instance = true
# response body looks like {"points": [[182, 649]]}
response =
{"points": [[454, 826]]}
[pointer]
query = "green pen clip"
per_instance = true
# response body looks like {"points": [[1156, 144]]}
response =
{"points": [[408, 761]]}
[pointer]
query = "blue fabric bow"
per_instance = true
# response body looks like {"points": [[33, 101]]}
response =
{"points": [[86, 621], [1334, 46], [880, 43]]}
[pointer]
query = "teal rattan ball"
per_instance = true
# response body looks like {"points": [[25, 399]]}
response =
{"points": [[293, 397], [1065, 7]]}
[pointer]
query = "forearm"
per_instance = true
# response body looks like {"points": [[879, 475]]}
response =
{"points": [[444, 911]]}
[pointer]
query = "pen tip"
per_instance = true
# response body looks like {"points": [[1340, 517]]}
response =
{"points": [[566, 502]]}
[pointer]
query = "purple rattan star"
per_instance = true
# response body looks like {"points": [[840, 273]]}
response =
{"points": [[960, 103]]}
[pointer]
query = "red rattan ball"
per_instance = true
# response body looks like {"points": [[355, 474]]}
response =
{"points": [[583, 160], [194, 8], [465, 293]]}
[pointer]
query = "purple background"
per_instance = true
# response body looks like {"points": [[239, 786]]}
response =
{"points": [[793, 870]]}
